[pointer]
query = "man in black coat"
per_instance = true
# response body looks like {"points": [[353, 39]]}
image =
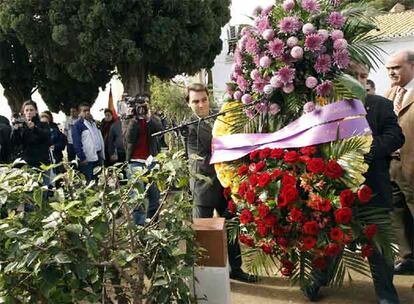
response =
{"points": [[5, 145], [387, 138], [208, 194]]}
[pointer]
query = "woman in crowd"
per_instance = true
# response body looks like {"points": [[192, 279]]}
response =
{"points": [[105, 129], [31, 135]]}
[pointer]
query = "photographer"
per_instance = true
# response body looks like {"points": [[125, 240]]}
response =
{"points": [[140, 145], [31, 135]]}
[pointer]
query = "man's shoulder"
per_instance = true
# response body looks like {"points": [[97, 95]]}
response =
{"points": [[377, 101]]}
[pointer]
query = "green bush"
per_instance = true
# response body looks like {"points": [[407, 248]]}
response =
{"points": [[81, 244]]}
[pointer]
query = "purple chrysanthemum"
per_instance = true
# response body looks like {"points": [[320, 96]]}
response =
{"points": [[255, 74], [336, 19], [274, 109], [324, 89], [237, 95], [238, 58], [276, 47], [290, 25], [267, 10], [288, 5], [341, 58], [247, 98], [309, 107], [310, 6], [286, 75], [242, 83], [262, 24], [259, 84], [340, 44], [261, 107], [313, 42], [251, 45], [323, 63]]}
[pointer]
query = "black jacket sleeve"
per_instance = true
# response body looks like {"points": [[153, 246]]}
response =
{"points": [[390, 138]]}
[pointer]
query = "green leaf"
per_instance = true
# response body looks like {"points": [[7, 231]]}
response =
{"points": [[58, 206], [74, 228], [62, 258], [10, 266]]}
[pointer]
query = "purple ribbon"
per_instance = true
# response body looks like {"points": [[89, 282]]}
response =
{"points": [[320, 126]]}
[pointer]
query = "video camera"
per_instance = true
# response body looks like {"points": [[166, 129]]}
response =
{"points": [[139, 105], [18, 120]]}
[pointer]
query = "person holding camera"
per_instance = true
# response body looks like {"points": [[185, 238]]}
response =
{"points": [[140, 145], [87, 142], [31, 136]]}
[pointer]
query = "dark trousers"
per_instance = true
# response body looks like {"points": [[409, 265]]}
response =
{"points": [[233, 248], [382, 275], [71, 152], [87, 169]]}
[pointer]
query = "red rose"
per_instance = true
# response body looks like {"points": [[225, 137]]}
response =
{"points": [[308, 243], [333, 169], [246, 216], [291, 157], [253, 180], [316, 165], [231, 207], [276, 173], [289, 194], [370, 231], [267, 248], [259, 166], [264, 153], [277, 153], [346, 198], [308, 150], [286, 272], [226, 192], [281, 202], [263, 210], [311, 228], [288, 180], [295, 215], [333, 249], [325, 205], [282, 242], [364, 194], [264, 179], [242, 189], [336, 234], [343, 215], [243, 169], [261, 229], [367, 251], [250, 196], [270, 220], [254, 154], [319, 263], [247, 240]]}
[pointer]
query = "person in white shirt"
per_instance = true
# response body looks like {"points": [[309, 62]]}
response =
{"points": [[400, 67], [88, 142]]}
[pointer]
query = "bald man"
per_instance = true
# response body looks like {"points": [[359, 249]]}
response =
{"points": [[400, 67]]}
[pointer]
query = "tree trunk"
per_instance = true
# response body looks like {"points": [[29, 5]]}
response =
{"points": [[134, 77], [15, 99]]}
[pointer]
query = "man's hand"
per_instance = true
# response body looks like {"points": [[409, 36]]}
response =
{"points": [[30, 124], [114, 158]]}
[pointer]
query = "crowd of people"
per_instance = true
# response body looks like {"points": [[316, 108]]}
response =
{"points": [[37, 140]]}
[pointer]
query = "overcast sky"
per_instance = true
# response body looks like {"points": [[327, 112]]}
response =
{"points": [[240, 9]]}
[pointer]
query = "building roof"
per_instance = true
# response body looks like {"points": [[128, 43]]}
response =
{"points": [[395, 25]]}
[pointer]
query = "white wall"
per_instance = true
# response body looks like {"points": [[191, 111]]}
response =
{"points": [[379, 76]]}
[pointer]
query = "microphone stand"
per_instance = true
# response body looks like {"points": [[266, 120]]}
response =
{"points": [[185, 124]]}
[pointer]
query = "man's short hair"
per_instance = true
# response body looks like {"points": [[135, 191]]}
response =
{"points": [[371, 83], [410, 56], [84, 104], [195, 87], [28, 103], [107, 111]]}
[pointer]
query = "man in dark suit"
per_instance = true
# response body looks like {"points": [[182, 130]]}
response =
{"points": [[208, 195], [387, 138], [5, 145]]}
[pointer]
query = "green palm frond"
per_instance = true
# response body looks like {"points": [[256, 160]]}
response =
{"points": [[342, 266], [233, 229], [259, 263], [349, 153], [347, 87], [302, 275]]}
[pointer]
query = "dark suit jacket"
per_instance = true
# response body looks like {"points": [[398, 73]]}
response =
{"points": [[388, 137], [205, 193]]}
